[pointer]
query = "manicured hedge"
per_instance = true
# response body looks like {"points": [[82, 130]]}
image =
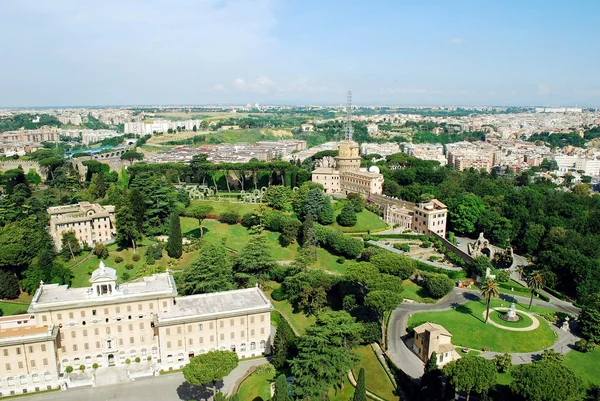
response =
{"points": [[402, 236]]}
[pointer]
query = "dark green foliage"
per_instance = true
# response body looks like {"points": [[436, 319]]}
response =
{"points": [[592, 393], [249, 220], [183, 197], [132, 155], [278, 197], [438, 285], [550, 355], [347, 217], [281, 389], [129, 266], [431, 364], [503, 362], [127, 227], [100, 251], [313, 204], [471, 373], [545, 381], [289, 232], [431, 382], [358, 201], [308, 290], [584, 345], [210, 367], [255, 258], [589, 319], [210, 272], [503, 276], [394, 264], [159, 198], [229, 217], [199, 212], [479, 266], [284, 343], [70, 245], [402, 247], [118, 259], [174, 243], [125, 276], [136, 258], [338, 242], [360, 393], [9, 285], [326, 213]]}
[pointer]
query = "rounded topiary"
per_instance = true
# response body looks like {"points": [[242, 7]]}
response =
{"points": [[95, 365], [149, 358], [584, 345], [127, 361], [278, 294], [129, 266], [341, 260], [137, 359], [136, 257], [125, 276], [82, 367], [118, 259], [69, 369]]}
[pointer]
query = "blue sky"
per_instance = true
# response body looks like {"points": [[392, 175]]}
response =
{"points": [[109, 52]]}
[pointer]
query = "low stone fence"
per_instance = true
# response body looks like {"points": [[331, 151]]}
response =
{"points": [[453, 248]]}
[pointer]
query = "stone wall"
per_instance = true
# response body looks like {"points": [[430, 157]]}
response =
{"points": [[453, 248]]}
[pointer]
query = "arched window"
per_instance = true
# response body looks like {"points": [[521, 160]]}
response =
{"points": [[23, 379], [243, 347], [262, 344], [35, 378]]}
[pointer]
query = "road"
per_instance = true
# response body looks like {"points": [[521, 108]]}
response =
{"points": [[406, 360], [170, 387]]}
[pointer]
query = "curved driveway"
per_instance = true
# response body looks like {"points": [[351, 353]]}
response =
{"points": [[410, 364]]}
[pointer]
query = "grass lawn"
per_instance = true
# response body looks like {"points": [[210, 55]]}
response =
{"points": [[377, 380], [11, 308], [415, 292], [472, 352], [220, 207], [257, 387], [82, 273], [298, 319], [469, 330], [585, 365], [524, 322], [365, 221]]}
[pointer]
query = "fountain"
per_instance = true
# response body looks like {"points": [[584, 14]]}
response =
{"points": [[511, 314]]}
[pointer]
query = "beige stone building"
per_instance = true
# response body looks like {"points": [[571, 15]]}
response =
{"points": [[423, 218], [91, 223], [109, 323], [431, 337], [347, 176]]}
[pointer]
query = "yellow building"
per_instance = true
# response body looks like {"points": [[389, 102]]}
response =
{"points": [[431, 337], [91, 223], [109, 323]]}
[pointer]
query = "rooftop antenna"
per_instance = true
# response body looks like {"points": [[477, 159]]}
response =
{"points": [[349, 130]]}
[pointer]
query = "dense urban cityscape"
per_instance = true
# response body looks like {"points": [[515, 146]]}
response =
{"points": [[299, 201]]}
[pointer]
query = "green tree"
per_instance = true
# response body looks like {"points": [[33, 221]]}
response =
{"points": [[358, 201], [255, 258], [479, 266], [289, 232], [325, 354], [360, 393], [550, 355], [489, 289], [535, 282], [127, 226], [283, 345], [471, 373], [589, 319], [97, 187], [326, 213], [347, 217], [174, 243], [545, 381], [281, 389], [307, 290], [199, 212], [438, 285], [432, 363], [278, 197], [313, 205], [132, 155], [210, 272], [70, 246], [503, 362], [464, 212], [9, 285], [138, 208], [394, 264], [100, 250], [382, 301], [209, 368], [431, 382]]}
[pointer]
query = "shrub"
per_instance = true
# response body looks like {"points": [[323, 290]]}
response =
{"points": [[503, 276], [82, 367], [347, 217], [118, 259], [137, 359], [249, 220], [584, 345], [503, 362], [425, 244], [100, 251], [278, 294], [129, 266], [230, 217], [153, 253], [341, 260], [95, 366], [438, 285], [136, 257], [434, 258], [9, 285], [69, 369], [402, 247], [125, 276], [127, 361], [149, 358], [265, 368]]}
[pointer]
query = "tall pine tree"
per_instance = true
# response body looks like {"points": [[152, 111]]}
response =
{"points": [[281, 389], [326, 213], [210, 272], [347, 217], [174, 242], [360, 393]]}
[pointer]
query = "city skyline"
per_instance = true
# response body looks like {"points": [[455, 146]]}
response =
{"points": [[270, 52]]}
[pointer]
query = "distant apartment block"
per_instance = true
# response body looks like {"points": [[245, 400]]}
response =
{"points": [[91, 223], [144, 128]]}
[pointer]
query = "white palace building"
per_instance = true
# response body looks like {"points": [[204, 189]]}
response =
{"points": [[109, 323]]}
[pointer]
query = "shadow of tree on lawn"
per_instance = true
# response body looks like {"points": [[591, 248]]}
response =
{"points": [[188, 392]]}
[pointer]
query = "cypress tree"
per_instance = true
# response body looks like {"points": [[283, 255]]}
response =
{"points": [[326, 214], [281, 389], [431, 364], [174, 242], [360, 393], [347, 217]]}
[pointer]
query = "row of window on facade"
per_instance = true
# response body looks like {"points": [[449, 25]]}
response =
{"points": [[211, 325], [32, 364], [30, 349], [106, 311], [100, 358], [212, 338], [23, 379]]}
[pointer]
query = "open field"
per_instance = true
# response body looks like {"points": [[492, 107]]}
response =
{"points": [[365, 221], [220, 207], [256, 387], [585, 365], [12, 308], [466, 323], [415, 292], [377, 380]]}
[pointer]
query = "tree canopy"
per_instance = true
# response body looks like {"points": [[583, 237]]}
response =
{"points": [[209, 272], [545, 381]]}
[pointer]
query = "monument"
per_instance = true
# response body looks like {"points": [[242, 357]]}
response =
{"points": [[511, 314]]}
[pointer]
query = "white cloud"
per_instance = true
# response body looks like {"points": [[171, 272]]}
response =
{"points": [[543, 89], [457, 41]]}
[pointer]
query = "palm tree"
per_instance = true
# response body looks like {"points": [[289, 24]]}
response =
{"points": [[489, 290], [536, 283], [521, 271]]}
